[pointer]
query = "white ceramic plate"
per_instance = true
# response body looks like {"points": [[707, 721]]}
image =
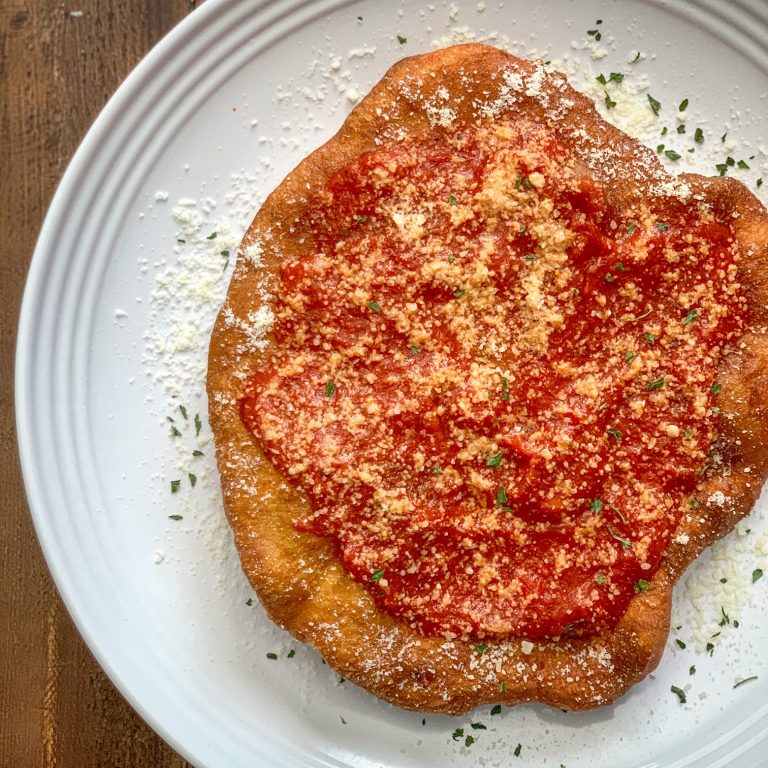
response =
{"points": [[113, 340]]}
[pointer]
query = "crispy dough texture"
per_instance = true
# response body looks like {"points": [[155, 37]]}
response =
{"points": [[297, 576]]}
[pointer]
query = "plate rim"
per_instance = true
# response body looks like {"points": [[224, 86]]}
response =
{"points": [[115, 107]]}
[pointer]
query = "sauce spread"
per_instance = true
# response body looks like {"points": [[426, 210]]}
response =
{"points": [[495, 385]]}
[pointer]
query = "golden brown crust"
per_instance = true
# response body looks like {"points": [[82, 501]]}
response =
{"points": [[297, 576]]}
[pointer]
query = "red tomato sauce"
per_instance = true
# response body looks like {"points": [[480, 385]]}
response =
{"points": [[498, 424]]}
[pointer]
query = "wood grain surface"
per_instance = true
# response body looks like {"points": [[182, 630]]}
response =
{"points": [[59, 64]]}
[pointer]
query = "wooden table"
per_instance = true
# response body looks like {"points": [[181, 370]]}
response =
{"points": [[59, 64]]}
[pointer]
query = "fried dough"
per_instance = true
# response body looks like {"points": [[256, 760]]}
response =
{"points": [[299, 577]]}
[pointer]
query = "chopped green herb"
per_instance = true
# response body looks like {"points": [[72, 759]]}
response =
{"points": [[691, 316], [631, 227], [249, 601], [452, 199], [710, 648], [641, 585], [716, 389], [451, 259], [680, 644], [469, 741], [518, 750], [655, 105], [609, 102], [523, 181], [656, 384], [695, 503], [745, 680], [272, 656], [437, 470], [495, 460], [636, 59], [722, 168], [330, 389], [175, 432], [198, 424], [679, 692], [343, 721], [660, 147], [614, 433], [343, 231], [192, 479], [609, 278], [502, 687], [672, 155], [478, 727], [183, 412], [759, 182], [614, 77], [650, 338], [742, 164], [692, 669], [212, 236], [501, 496], [480, 649], [291, 653], [179, 240], [596, 34], [529, 257], [374, 306], [620, 267], [698, 136], [196, 452], [176, 517], [681, 128], [361, 219], [600, 578], [175, 485], [376, 575], [661, 226], [458, 292], [630, 356], [757, 574], [496, 710], [683, 105], [458, 734], [402, 40], [597, 505], [415, 350]]}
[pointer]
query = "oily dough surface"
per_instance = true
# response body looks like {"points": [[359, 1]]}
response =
{"points": [[298, 577]]}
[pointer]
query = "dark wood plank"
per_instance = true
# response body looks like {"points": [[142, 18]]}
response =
{"points": [[57, 70]]}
